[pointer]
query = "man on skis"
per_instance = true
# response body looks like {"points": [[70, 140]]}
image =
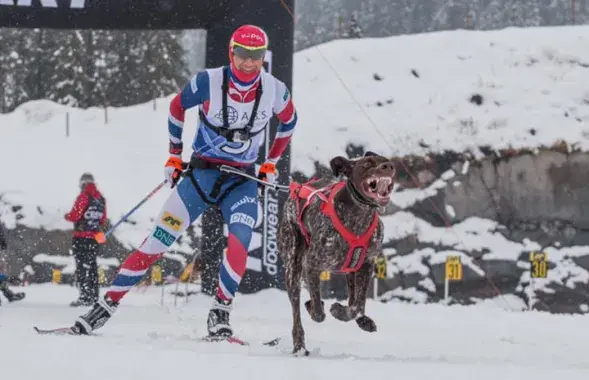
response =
{"points": [[235, 105]]}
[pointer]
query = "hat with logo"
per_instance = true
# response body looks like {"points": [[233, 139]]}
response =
{"points": [[247, 41]]}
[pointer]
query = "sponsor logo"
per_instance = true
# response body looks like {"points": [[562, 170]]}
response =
{"points": [[285, 96], [356, 254], [164, 236], [270, 257], [172, 221], [242, 218], [243, 201], [73, 4], [252, 36], [92, 214], [193, 85], [233, 116]]}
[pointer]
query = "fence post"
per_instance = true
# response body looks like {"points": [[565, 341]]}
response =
{"points": [[67, 124], [573, 11], [106, 115]]}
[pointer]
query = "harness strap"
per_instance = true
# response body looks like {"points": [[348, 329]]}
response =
{"points": [[358, 245], [224, 131], [196, 163]]}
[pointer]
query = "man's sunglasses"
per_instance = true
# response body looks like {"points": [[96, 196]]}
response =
{"points": [[244, 53]]}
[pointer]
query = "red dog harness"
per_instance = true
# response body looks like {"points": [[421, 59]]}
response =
{"points": [[358, 245]]}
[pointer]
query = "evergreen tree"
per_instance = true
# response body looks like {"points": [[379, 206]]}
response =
{"points": [[354, 29], [165, 70], [492, 16], [13, 68]]}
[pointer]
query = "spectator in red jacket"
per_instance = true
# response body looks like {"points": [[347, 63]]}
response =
{"points": [[88, 215]]}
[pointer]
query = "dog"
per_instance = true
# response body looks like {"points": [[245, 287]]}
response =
{"points": [[335, 226]]}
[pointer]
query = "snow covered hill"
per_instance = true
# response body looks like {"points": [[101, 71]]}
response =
{"points": [[414, 94]]}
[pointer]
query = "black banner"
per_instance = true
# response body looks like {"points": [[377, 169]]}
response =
{"points": [[220, 18], [113, 14], [265, 269]]}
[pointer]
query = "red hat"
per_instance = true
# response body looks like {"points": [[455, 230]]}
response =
{"points": [[247, 41]]}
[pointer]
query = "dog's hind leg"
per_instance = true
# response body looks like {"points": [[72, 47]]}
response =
{"points": [[315, 304], [292, 254], [362, 282]]}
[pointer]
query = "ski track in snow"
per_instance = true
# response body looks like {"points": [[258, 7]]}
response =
{"points": [[148, 340]]}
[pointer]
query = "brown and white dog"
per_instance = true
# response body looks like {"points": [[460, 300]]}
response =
{"points": [[335, 226]]}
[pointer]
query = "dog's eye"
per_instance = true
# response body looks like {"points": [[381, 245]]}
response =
{"points": [[367, 164]]}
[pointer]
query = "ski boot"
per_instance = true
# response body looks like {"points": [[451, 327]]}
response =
{"points": [[9, 294], [218, 320], [96, 317]]}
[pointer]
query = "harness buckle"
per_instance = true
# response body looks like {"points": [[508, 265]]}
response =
{"points": [[240, 136]]}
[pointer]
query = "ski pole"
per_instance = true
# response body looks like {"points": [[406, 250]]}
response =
{"points": [[230, 169], [101, 236]]}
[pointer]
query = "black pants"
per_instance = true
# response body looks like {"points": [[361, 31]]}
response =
{"points": [[85, 252]]}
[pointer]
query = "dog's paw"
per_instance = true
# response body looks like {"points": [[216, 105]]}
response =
{"points": [[340, 312], [366, 323], [298, 352], [316, 315]]}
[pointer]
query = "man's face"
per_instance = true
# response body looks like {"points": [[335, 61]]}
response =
{"points": [[248, 65]]}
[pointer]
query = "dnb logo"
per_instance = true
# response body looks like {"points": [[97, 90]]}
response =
{"points": [[172, 221], [164, 236]]}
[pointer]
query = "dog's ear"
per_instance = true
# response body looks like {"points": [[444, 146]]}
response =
{"points": [[370, 153], [341, 166]]}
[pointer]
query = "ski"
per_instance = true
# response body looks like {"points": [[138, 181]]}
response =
{"points": [[208, 338], [57, 331], [236, 340]]}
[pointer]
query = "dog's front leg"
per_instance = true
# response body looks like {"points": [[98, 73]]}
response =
{"points": [[315, 304], [346, 313], [351, 281], [362, 282]]}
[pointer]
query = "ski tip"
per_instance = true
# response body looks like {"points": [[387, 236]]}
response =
{"points": [[273, 342], [228, 339]]}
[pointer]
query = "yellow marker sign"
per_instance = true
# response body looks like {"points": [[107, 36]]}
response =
{"points": [[325, 276], [56, 276], [539, 262], [186, 274], [381, 268], [453, 268], [156, 274], [101, 276]]}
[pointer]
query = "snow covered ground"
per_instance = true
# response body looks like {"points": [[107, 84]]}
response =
{"points": [[150, 341]]}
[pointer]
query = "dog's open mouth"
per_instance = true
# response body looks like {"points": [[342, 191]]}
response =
{"points": [[379, 189]]}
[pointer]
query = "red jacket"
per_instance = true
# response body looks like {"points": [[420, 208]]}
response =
{"points": [[88, 212]]}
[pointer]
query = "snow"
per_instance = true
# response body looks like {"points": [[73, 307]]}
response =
{"points": [[528, 78], [68, 263], [148, 340], [469, 235]]}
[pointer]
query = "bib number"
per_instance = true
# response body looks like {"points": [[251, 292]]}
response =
{"points": [[236, 148]]}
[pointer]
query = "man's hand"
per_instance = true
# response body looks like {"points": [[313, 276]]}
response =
{"points": [[172, 170], [268, 172]]}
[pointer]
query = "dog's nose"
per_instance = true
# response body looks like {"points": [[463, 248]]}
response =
{"points": [[387, 166]]}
